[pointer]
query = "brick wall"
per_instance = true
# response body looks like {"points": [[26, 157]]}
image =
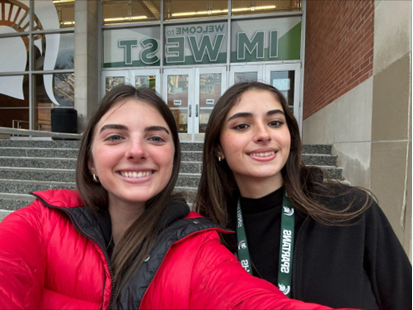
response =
{"points": [[338, 50]]}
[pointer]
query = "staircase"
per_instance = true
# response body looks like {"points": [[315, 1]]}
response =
{"points": [[27, 166]]}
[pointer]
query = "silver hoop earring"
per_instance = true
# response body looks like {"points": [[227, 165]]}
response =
{"points": [[219, 158], [95, 178]]}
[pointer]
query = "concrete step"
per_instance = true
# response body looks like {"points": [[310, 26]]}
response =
{"points": [[334, 172], [37, 162], [26, 187], [316, 149], [191, 156], [59, 144], [319, 160], [11, 201], [192, 146], [39, 174], [39, 152]]}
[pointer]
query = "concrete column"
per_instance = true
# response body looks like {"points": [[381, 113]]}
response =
{"points": [[391, 155], [86, 59]]}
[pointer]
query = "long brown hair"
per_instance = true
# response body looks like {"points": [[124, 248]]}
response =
{"points": [[218, 191], [139, 239]]}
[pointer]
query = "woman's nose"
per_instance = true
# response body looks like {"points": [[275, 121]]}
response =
{"points": [[136, 150], [262, 133]]}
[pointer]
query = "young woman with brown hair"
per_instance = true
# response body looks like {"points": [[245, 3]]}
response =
{"points": [[317, 240], [124, 240]]}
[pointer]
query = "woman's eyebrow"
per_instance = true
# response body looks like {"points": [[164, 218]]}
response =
{"points": [[240, 114], [156, 128], [272, 112], [114, 126]]}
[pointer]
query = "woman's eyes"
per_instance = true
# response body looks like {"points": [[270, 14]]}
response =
{"points": [[240, 127], [114, 138], [157, 139], [275, 123]]}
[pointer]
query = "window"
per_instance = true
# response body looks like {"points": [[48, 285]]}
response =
{"points": [[48, 41]]}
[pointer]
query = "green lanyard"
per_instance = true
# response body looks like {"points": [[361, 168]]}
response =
{"points": [[286, 245]]}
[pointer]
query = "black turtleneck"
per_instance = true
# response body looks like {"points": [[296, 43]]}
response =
{"points": [[262, 221]]}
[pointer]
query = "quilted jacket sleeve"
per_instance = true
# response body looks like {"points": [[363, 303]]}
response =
{"points": [[22, 261], [219, 282]]}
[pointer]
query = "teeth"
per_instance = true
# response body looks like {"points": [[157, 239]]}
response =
{"points": [[262, 154], [134, 174]]}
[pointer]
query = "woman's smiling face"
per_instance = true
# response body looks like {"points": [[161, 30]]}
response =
{"points": [[255, 142], [132, 152]]}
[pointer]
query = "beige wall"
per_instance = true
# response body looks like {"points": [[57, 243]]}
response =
{"points": [[370, 126], [86, 59], [391, 116]]}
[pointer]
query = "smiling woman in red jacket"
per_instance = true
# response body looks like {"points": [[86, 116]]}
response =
{"points": [[124, 240], [319, 241]]}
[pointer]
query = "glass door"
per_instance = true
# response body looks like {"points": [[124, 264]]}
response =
{"points": [[286, 78], [146, 78], [239, 74], [111, 79], [178, 91], [210, 85]]}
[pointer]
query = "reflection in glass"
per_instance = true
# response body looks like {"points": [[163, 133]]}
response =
{"points": [[62, 96], [284, 82], [179, 9], [54, 14], [145, 81], [243, 7], [209, 93], [241, 77], [177, 99], [112, 81], [126, 11], [14, 101]]}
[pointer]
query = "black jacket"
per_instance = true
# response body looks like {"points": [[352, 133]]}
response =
{"points": [[358, 266]]}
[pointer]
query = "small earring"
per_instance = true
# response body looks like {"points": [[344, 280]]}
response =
{"points": [[95, 178], [219, 158]]}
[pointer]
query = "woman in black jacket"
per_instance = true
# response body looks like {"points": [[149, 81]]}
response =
{"points": [[318, 241]]}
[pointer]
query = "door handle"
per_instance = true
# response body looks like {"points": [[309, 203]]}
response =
{"points": [[196, 110], [190, 110]]}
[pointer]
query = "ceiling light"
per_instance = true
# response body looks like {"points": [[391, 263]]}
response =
{"points": [[125, 19]]}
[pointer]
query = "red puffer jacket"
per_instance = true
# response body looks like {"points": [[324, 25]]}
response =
{"points": [[52, 257]]}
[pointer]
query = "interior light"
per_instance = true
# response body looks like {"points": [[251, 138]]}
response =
{"points": [[123, 19], [68, 23], [264, 7], [62, 1]]}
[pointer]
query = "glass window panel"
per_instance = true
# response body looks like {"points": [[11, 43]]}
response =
{"points": [[65, 56], [52, 91], [241, 77], [242, 7], [126, 11], [177, 99], [15, 14], [209, 93], [14, 91], [284, 82], [14, 54], [204, 115], [14, 117], [131, 47], [54, 14], [145, 81], [112, 81], [183, 9]]}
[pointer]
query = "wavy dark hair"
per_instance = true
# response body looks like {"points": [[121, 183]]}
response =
{"points": [[218, 191], [139, 239]]}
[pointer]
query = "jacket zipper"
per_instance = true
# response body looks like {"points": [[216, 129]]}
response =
{"points": [[163, 258], [84, 234]]}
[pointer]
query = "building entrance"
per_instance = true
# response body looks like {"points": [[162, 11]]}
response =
{"points": [[192, 93]]}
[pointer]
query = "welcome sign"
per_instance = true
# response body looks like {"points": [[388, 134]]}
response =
{"points": [[191, 44]]}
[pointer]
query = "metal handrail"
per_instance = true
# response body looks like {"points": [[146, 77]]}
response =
{"points": [[38, 133]]}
